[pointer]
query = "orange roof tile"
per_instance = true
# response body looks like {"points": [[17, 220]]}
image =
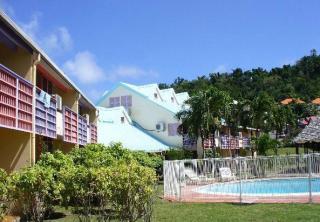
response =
{"points": [[291, 100], [316, 101], [286, 101]]}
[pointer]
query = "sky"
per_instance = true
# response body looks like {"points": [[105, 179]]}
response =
{"points": [[99, 43]]}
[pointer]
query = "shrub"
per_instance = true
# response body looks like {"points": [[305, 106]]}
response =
{"points": [[131, 190], [152, 160], [264, 143], [56, 161], [92, 155], [86, 189], [91, 179], [35, 189], [178, 154], [4, 199], [98, 155]]}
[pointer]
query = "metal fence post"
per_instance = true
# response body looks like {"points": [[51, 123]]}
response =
{"points": [[309, 169], [179, 175], [240, 184]]}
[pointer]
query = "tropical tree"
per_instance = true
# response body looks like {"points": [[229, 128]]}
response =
{"points": [[283, 117], [205, 111], [240, 115], [262, 112]]}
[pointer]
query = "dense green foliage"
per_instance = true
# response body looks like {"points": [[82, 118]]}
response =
{"points": [[251, 99], [178, 154], [300, 80], [131, 188], [265, 143], [36, 190], [3, 193], [94, 180], [207, 109]]}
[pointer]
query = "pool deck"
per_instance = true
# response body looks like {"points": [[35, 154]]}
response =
{"points": [[188, 194]]}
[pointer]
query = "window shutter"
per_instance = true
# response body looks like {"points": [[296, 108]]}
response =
{"points": [[111, 101]]}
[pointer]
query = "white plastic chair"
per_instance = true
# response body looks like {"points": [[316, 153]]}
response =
{"points": [[226, 174]]}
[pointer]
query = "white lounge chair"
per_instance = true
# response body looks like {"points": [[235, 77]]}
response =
{"points": [[191, 175], [226, 174], [194, 178]]}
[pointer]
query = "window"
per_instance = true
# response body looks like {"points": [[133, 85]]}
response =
{"points": [[126, 101], [122, 119], [155, 95], [114, 101], [44, 84], [173, 129]]}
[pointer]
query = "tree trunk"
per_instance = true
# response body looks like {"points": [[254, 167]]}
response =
{"points": [[203, 151]]}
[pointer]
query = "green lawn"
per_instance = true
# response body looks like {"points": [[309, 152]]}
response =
{"points": [[202, 212], [286, 151], [185, 212]]}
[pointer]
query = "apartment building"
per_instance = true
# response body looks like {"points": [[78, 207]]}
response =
{"points": [[140, 117], [40, 107]]}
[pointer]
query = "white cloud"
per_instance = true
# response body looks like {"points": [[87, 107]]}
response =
{"points": [[32, 27], [130, 72], [60, 40], [56, 41], [221, 69], [85, 68]]}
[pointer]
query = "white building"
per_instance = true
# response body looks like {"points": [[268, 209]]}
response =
{"points": [[140, 117]]}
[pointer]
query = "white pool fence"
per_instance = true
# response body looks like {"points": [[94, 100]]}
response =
{"points": [[273, 179]]}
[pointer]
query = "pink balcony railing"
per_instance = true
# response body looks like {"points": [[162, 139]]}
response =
{"points": [[229, 142], [16, 111], [93, 133], [45, 115], [16, 96], [189, 143], [82, 130], [70, 119]]}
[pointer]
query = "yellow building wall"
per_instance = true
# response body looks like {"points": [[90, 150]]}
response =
{"points": [[19, 61], [92, 114], [63, 146], [69, 99], [15, 149]]}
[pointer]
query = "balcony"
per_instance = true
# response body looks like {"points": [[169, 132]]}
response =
{"points": [[45, 115], [16, 98], [93, 133], [224, 142], [70, 134], [229, 142], [16, 112], [189, 143], [83, 130], [246, 142]]}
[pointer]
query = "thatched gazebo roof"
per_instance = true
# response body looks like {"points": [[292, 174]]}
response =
{"points": [[311, 133]]}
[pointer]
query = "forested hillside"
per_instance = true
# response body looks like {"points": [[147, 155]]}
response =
{"points": [[301, 80]]}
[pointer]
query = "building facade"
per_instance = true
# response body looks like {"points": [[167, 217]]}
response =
{"points": [[40, 107], [147, 110]]}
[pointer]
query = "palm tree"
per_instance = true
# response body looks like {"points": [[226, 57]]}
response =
{"points": [[204, 113]]}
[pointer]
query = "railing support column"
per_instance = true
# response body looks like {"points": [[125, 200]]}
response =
{"points": [[309, 170], [179, 175], [240, 184]]}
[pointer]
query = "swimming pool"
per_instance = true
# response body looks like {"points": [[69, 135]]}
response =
{"points": [[265, 187]]}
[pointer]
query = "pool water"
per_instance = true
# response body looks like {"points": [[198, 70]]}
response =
{"points": [[264, 187]]}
